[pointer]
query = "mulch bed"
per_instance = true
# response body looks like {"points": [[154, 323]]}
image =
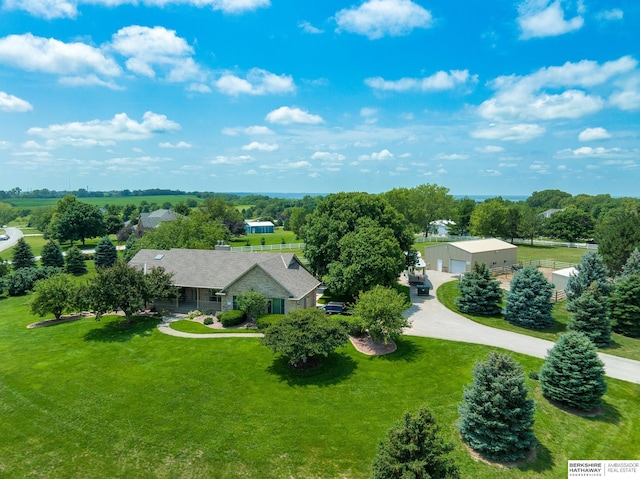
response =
{"points": [[366, 345]]}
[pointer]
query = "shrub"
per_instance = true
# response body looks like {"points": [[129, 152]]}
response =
{"points": [[194, 314], [352, 324], [23, 280], [232, 318], [207, 321], [263, 322]]}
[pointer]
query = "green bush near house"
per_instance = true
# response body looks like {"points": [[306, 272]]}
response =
{"points": [[263, 322], [232, 318]]}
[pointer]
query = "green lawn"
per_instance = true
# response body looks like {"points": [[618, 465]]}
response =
{"points": [[557, 253], [115, 200], [91, 399], [275, 238], [622, 345]]}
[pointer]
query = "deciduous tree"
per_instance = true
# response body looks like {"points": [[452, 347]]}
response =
{"points": [[380, 310], [54, 295], [414, 448], [480, 293], [571, 225], [529, 300], [369, 256], [490, 219], [253, 303], [303, 336], [496, 417], [573, 375]]}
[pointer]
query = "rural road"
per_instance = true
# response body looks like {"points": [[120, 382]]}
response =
{"points": [[14, 235], [433, 320]]}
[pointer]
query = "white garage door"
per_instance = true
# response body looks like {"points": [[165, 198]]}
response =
{"points": [[458, 266]]}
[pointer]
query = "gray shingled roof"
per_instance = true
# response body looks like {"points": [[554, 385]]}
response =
{"points": [[153, 219], [213, 269]]}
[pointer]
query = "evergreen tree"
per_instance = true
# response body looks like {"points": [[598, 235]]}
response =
{"points": [[106, 254], [632, 266], [51, 255], [414, 448], [590, 269], [496, 418], [591, 316], [573, 375], [529, 300], [625, 306], [22, 255], [75, 262], [480, 293]]}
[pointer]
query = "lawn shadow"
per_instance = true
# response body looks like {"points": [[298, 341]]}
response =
{"points": [[606, 412], [333, 369], [407, 350], [117, 331], [543, 462]]}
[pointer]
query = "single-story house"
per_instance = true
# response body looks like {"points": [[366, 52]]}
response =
{"points": [[459, 257], [551, 212], [153, 219], [252, 227], [212, 279], [560, 277]]}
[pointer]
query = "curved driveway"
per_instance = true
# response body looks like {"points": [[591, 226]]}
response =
{"points": [[431, 319], [14, 235]]}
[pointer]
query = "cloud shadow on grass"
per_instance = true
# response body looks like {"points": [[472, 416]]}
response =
{"points": [[117, 331], [407, 350], [335, 368]]}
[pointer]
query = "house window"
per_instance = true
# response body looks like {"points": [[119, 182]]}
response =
{"points": [[213, 297]]}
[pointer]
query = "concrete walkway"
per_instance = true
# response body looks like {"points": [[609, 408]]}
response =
{"points": [[165, 327], [431, 319]]}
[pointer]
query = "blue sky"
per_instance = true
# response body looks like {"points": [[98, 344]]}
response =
{"points": [[485, 98]]}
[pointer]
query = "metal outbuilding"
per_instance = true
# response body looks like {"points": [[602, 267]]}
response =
{"points": [[560, 277], [459, 257]]}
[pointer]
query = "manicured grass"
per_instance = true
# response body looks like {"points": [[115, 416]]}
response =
{"points": [[622, 345], [187, 326], [557, 253], [276, 237], [91, 399]]}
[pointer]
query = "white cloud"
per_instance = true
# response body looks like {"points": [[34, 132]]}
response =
{"points": [[120, 127], [254, 145], [611, 15], [452, 156], [539, 18], [53, 56], [232, 160], [599, 152], [591, 134], [490, 172], [525, 98], [308, 28], [199, 88], [69, 8], [257, 82], [628, 95], [287, 116], [88, 80], [489, 149], [137, 164], [539, 167], [382, 155], [181, 145], [13, 103], [148, 49], [327, 156], [250, 130], [287, 165], [378, 18], [438, 81], [508, 132]]}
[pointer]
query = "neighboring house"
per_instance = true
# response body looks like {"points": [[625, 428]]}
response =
{"points": [[560, 277], [212, 279], [550, 213], [460, 256], [153, 219], [441, 227], [252, 227]]}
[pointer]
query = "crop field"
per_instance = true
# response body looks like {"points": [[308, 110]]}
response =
{"points": [[111, 200]]}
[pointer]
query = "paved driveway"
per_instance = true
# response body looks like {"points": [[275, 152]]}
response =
{"points": [[431, 319], [14, 235]]}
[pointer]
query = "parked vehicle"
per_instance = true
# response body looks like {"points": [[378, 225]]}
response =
{"points": [[335, 307], [4, 237]]}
